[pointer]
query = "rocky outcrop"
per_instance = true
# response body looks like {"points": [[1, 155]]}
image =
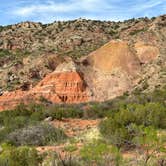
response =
{"points": [[29, 69], [146, 53], [115, 54], [9, 100], [116, 68], [64, 85], [104, 74]]}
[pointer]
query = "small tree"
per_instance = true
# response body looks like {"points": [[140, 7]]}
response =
{"points": [[22, 156], [99, 153], [149, 144]]}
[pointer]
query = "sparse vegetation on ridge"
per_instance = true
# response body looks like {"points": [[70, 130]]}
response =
{"points": [[74, 39]]}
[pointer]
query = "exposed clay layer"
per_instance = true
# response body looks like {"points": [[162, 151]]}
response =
{"points": [[65, 87]]}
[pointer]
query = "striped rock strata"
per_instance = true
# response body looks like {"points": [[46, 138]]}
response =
{"points": [[65, 85]]}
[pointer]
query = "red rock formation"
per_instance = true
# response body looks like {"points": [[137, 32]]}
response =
{"points": [[11, 99], [65, 87]]}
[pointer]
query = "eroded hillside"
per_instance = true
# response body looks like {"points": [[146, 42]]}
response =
{"points": [[43, 60]]}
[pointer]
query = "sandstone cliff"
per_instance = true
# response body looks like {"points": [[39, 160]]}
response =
{"points": [[64, 85]]}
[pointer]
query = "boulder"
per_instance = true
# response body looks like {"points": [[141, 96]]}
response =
{"points": [[48, 119]]}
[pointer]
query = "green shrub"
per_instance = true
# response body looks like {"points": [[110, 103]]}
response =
{"points": [[115, 132], [137, 31], [70, 148], [15, 123], [1, 28], [19, 118], [38, 135], [22, 156], [100, 153], [59, 112], [94, 151], [96, 110], [153, 114], [150, 145], [4, 53], [119, 127], [67, 160]]}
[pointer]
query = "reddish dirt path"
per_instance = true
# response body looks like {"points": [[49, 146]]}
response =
{"points": [[74, 127], [60, 149]]}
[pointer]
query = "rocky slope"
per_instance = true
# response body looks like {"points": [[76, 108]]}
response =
{"points": [[43, 60], [116, 68]]}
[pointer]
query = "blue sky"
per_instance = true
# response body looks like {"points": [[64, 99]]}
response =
{"points": [[46, 11]]}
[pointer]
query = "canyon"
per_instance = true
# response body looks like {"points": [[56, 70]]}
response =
{"points": [[81, 60], [104, 74]]}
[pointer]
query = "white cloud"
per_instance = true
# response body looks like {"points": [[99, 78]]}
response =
{"points": [[51, 10], [63, 7], [25, 11], [145, 5]]}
